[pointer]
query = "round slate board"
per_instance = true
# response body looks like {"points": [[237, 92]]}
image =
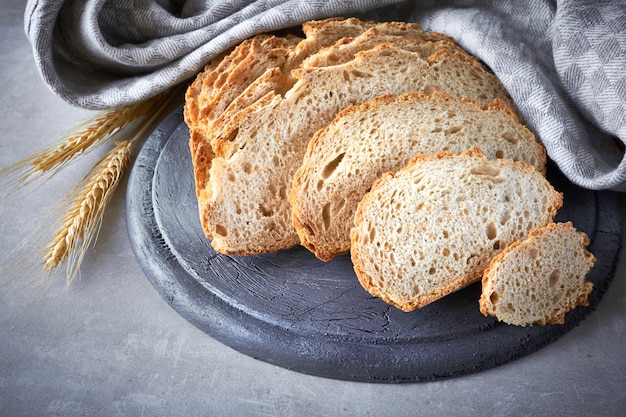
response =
{"points": [[292, 310]]}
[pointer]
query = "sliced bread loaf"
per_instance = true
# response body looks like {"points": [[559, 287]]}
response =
{"points": [[362, 142], [539, 279], [244, 202], [434, 226]]}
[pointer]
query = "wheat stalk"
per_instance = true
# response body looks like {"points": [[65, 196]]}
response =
{"points": [[95, 132], [82, 221], [83, 208], [86, 210], [101, 129]]}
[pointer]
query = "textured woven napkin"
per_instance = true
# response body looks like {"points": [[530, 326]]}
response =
{"points": [[563, 62]]}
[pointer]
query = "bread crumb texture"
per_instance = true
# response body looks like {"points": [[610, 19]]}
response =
{"points": [[539, 279], [345, 158], [434, 226]]}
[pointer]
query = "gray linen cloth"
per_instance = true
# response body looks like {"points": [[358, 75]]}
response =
{"points": [[564, 62]]}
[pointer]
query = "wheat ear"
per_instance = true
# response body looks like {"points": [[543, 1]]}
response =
{"points": [[82, 220], [93, 133], [85, 212], [102, 128]]}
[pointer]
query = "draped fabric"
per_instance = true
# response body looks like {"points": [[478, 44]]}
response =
{"points": [[564, 62]]}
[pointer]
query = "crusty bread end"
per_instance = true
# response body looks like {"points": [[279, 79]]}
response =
{"points": [[539, 279]]}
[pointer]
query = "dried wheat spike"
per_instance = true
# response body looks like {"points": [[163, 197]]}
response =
{"points": [[84, 216]]}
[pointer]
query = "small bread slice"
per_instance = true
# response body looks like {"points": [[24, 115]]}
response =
{"points": [[434, 226], [362, 142], [539, 279], [244, 203]]}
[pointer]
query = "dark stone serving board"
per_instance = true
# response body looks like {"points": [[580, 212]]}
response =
{"points": [[294, 311]]}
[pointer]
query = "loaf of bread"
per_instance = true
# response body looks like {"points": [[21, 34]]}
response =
{"points": [[244, 201], [539, 279], [434, 226], [362, 142], [395, 144]]}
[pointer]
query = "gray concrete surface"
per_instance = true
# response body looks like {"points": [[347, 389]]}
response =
{"points": [[110, 346]]}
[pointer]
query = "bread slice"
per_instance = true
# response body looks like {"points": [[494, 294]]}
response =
{"points": [[434, 226], [244, 203], [539, 279], [362, 142]]}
